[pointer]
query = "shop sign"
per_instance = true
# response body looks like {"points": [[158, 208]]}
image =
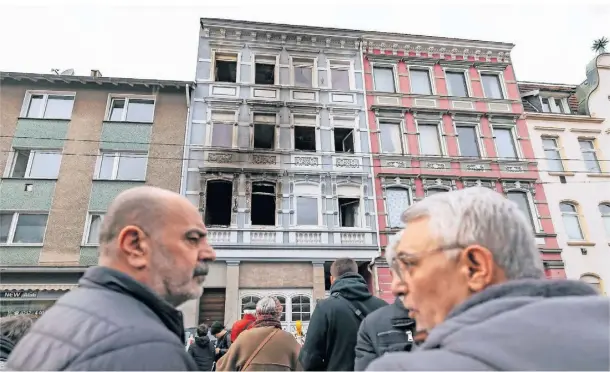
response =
{"points": [[19, 294]]}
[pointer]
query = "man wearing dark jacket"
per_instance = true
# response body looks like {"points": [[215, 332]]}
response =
{"points": [[333, 329], [202, 350], [223, 338], [153, 257]]}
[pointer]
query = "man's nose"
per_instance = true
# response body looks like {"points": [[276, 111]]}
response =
{"points": [[207, 252]]}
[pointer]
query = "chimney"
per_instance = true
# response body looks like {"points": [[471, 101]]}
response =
{"points": [[96, 73]]}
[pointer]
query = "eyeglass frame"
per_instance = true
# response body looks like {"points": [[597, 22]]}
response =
{"points": [[401, 258]]}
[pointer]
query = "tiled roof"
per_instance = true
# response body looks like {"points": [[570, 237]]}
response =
{"points": [[526, 86]]}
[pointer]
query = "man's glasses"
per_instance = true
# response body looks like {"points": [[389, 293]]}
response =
{"points": [[404, 263]]}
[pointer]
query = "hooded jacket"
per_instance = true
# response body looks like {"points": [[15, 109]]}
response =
{"points": [[203, 353], [241, 325], [333, 329], [530, 324]]}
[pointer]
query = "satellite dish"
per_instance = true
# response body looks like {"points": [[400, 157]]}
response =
{"points": [[69, 72]]}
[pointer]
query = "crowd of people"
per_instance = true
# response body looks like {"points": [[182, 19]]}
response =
{"points": [[470, 287]]}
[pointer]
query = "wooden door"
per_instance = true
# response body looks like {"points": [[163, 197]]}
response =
{"points": [[212, 306]]}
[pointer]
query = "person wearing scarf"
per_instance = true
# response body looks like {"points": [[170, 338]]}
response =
{"points": [[264, 345]]}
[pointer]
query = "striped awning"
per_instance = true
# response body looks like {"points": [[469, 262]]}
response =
{"points": [[37, 287]]}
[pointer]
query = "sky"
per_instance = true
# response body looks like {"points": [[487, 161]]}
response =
{"points": [[158, 38]]}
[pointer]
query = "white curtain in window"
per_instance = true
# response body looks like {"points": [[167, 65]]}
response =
{"points": [[397, 201], [391, 139]]}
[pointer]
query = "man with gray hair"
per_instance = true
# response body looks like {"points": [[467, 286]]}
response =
{"points": [[475, 282], [12, 329]]}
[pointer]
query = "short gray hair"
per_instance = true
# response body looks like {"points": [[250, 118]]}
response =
{"points": [[269, 306], [390, 249], [15, 327], [477, 215]]}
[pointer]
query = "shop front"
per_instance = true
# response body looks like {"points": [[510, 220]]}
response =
{"points": [[31, 299]]}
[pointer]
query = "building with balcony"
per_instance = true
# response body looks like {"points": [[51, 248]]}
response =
{"points": [[445, 114], [68, 145], [278, 161]]}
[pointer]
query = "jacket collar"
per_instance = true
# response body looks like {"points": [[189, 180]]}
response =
{"points": [[116, 281], [400, 315]]}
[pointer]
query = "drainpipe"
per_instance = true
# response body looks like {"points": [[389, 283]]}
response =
{"points": [[187, 140]]}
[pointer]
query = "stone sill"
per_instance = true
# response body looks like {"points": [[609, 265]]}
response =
{"points": [[599, 175], [583, 243], [566, 174]]}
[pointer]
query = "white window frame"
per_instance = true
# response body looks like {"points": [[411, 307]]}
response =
{"points": [[439, 188], [127, 97], [514, 137], [237, 55], [13, 228], [533, 210], [115, 165], [275, 185], [441, 136], [406, 188], [394, 76], [430, 70], [288, 325], [316, 127], [477, 128], [554, 109], [317, 196], [466, 76], [344, 65], [355, 133], [605, 216], [595, 150], [500, 75], [276, 130], [45, 99], [557, 140], [579, 219], [13, 159], [401, 127], [87, 230], [300, 61], [210, 126], [266, 58], [361, 222]]}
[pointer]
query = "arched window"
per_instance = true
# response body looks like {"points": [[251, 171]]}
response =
{"points": [[604, 209], [301, 308], [282, 300], [593, 280], [245, 300], [571, 221]]}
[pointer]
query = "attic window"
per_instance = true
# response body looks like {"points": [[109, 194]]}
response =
{"points": [[554, 105], [344, 140], [263, 204], [225, 68]]}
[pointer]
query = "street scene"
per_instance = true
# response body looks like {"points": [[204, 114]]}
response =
{"points": [[329, 194]]}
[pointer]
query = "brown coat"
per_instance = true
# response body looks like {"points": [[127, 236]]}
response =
{"points": [[281, 352]]}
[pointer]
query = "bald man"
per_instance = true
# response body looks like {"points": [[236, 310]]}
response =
{"points": [[153, 257]]}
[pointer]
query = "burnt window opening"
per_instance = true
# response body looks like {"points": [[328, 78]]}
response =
{"points": [[263, 204], [218, 203], [348, 212], [226, 71], [264, 74], [264, 136], [305, 138], [344, 140]]}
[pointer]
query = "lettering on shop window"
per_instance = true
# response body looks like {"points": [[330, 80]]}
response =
{"points": [[19, 294]]}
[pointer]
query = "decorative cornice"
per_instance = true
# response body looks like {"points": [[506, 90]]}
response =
{"points": [[562, 117]]}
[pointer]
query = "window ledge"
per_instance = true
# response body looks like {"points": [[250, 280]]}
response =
{"points": [[582, 243], [599, 175], [21, 245], [117, 180], [566, 174], [29, 179], [45, 119], [89, 245], [128, 122]]}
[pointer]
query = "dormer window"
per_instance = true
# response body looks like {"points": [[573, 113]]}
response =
{"points": [[555, 105]]}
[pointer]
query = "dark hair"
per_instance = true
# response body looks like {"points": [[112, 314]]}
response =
{"points": [[202, 330], [15, 327], [343, 266]]}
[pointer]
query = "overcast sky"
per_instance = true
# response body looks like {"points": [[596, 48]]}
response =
{"points": [[158, 38]]}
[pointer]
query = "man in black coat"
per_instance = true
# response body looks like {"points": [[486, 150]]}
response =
{"points": [[223, 338], [333, 329], [153, 257], [202, 350]]}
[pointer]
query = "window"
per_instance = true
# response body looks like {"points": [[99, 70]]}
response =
{"points": [[546, 106], [592, 280], [505, 143], [225, 67], [264, 70], [571, 221], [263, 204], [397, 200], [435, 191], [127, 166], [132, 109], [604, 209], [340, 75], [523, 203], [303, 72], [93, 231], [36, 164], [420, 81], [587, 148], [307, 211], [49, 106], [390, 138], [555, 105], [429, 139], [468, 142], [304, 133], [552, 154], [218, 198], [222, 129], [383, 78], [301, 308], [559, 105], [348, 212], [456, 82], [491, 86], [264, 131], [344, 140], [22, 228]]}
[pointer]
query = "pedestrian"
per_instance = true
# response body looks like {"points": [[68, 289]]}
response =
{"points": [[242, 324], [153, 256], [12, 329], [264, 346], [223, 338], [387, 329], [333, 329], [475, 283], [202, 349]]}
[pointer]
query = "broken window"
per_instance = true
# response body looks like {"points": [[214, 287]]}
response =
{"points": [[304, 138], [264, 131], [218, 203], [348, 212], [344, 140], [264, 70], [225, 66], [303, 73], [263, 204]]}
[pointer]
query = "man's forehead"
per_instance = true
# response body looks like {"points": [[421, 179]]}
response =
{"points": [[416, 237]]}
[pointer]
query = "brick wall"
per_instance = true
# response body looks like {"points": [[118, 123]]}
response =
{"points": [[276, 275]]}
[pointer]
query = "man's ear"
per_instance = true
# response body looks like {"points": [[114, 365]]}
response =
{"points": [[479, 264], [134, 247]]}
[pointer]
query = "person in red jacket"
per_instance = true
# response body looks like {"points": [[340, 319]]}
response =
{"points": [[243, 324]]}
